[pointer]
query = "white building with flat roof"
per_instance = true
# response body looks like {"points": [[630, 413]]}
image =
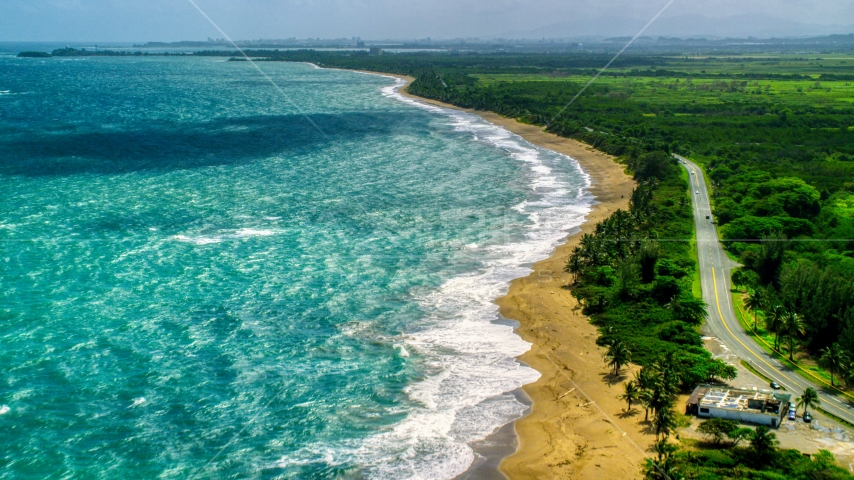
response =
{"points": [[760, 407]]}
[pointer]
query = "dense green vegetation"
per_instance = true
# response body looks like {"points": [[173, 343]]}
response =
{"points": [[761, 458], [635, 283]]}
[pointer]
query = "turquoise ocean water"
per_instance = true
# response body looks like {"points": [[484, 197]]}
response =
{"points": [[197, 283]]}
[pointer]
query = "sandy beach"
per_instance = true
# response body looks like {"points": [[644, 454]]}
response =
{"points": [[577, 427]]}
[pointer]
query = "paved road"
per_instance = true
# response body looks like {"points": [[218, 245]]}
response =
{"points": [[715, 268]]}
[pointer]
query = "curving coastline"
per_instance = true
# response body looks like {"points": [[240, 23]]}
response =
{"points": [[572, 430]]}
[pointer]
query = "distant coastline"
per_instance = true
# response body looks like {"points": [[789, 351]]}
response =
{"points": [[85, 52], [34, 55]]}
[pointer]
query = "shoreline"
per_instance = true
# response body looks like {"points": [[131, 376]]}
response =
{"points": [[571, 430]]}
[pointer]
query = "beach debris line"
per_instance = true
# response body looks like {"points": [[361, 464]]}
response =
{"points": [[566, 393]]}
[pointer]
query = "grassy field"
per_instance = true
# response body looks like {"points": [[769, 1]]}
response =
{"points": [[675, 90]]}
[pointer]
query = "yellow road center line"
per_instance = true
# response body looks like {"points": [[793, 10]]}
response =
{"points": [[726, 325], [723, 320]]}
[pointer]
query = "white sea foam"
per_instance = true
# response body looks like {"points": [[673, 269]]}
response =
{"points": [[238, 234], [4, 409], [251, 232], [197, 240], [469, 357], [403, 351], [472, 357]]}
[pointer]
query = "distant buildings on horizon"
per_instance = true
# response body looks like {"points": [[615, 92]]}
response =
{"points": [[684, 46]]}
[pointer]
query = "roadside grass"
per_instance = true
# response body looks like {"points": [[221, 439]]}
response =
{"points": [[696, 287], [765, 340]]}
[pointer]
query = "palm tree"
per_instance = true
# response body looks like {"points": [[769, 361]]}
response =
{"points": [[574, 265], [834, 359], [631, 393], [650, 253], [645, 378], [771, 251], [663, 422], [666, 375], [659, 398], [755, 299], [662, 468], [737, 278], [641, 200], [617, 355], [763, 442], [664, 450], [809, 399], [591, 249], [645, 398], [793, 325], [774, 322]]}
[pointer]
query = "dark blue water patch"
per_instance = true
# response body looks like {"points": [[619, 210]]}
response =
{"points": [[224, 141]]}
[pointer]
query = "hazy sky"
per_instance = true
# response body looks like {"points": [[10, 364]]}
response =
{"points": [[170, 20]]}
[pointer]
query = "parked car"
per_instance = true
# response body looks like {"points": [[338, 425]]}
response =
{"points": [[707, 217], [698, 192], [792, 413], [807, 417], [774, 385]]}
